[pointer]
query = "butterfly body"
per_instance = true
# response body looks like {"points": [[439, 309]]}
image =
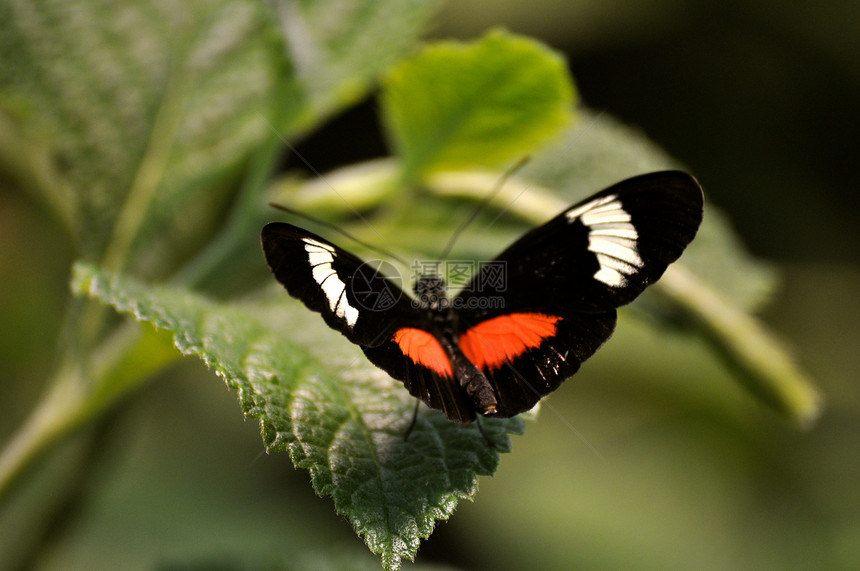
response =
{"points": [[526, 320]]}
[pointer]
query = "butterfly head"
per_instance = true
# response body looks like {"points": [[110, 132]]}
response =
{"points": [[430, 291]]}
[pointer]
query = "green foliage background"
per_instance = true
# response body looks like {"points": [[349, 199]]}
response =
{"points": [[672, 465]]}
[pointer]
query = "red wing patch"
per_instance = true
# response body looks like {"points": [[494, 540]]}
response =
{"points": [[502, 339], [424, 349]]}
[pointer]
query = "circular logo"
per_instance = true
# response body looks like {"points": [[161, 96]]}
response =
{"points": [[376, 285]]}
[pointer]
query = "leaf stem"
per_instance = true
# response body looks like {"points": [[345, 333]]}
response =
{"points": [[51, 418], [147, 180], [244, 221], [82, 389], [765, 366], [526, 200]]}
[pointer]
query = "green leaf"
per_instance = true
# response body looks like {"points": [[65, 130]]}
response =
{"points": [[456, 105], [132, 119], [146, 108], [79, 392], [318, 398], [339, 47]]}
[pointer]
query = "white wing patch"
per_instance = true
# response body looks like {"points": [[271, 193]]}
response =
{"points": [[320, 257], [611, 237]]}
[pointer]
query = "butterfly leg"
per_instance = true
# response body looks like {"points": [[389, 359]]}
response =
{"points": [[414, 421]]}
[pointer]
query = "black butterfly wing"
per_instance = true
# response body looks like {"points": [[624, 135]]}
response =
{"points": [[352, 296], [547, 303], [433, 383], [369, 309], [599, 254], [526, 355]]}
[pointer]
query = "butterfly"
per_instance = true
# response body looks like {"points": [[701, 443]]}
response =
{"points": [[525, 322]]}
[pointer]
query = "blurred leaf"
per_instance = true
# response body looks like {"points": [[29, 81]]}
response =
{"points": [[79, 392], [146, 108], [339, 47], [318, 398], [359, 187], [334, 51], [457, 105], [132, 118]]}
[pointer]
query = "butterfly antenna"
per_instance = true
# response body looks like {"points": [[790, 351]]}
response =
{"points": [[339, 230], [483, 204]]}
